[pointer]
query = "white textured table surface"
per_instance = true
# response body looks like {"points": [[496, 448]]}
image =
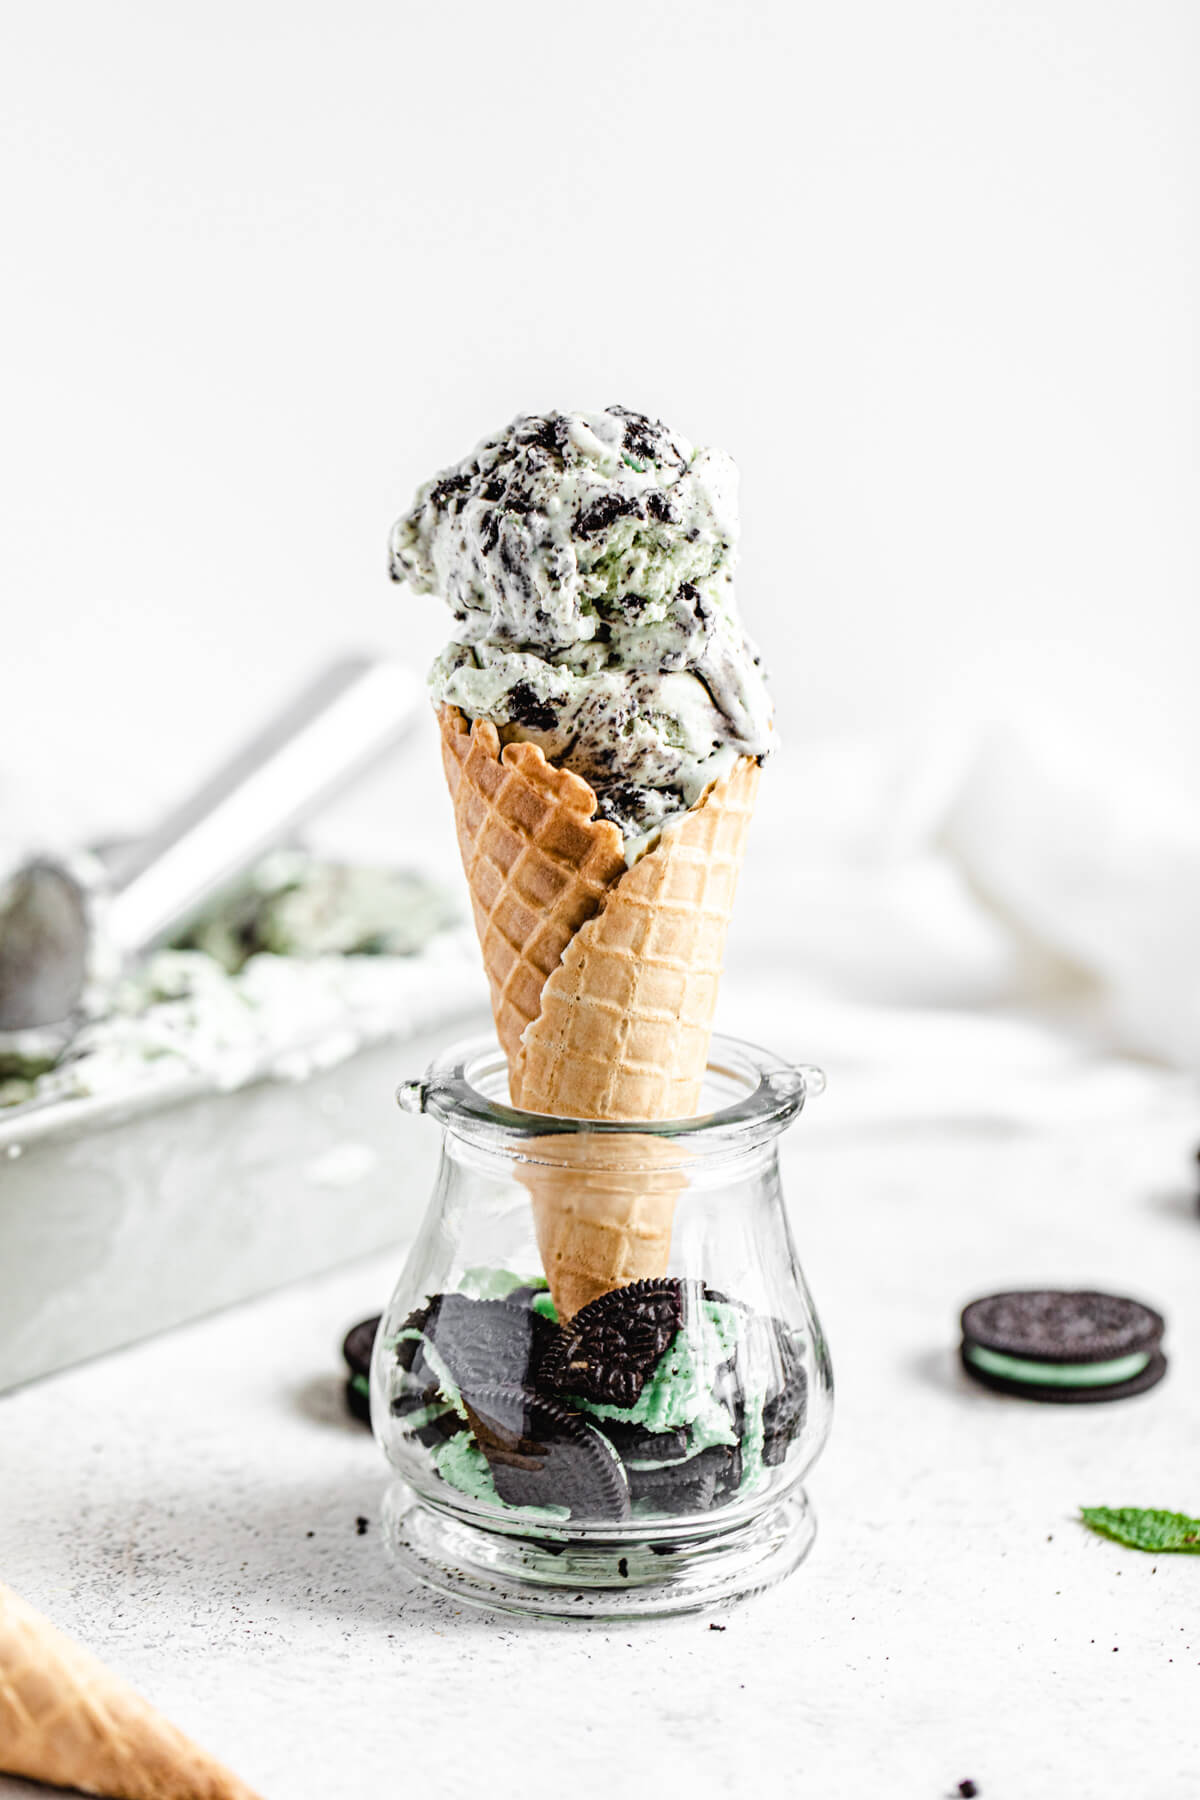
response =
{"points": [[189, 1508]]}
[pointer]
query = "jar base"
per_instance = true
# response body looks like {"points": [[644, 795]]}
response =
{"points": [[603, 1581]]}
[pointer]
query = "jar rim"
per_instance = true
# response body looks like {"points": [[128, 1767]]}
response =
{"points": [[773, 1094]]}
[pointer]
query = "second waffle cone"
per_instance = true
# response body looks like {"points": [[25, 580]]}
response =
{"points": [[66, 1718]]}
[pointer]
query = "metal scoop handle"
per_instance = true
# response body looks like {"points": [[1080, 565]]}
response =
{"points": [[355, 711]]}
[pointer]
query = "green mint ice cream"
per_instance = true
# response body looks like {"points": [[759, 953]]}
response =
{"points": [[714, 1414], [679, 1389], [588, 560]]}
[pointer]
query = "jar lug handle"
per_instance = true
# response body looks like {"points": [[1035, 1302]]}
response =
{"points": [[813, 1079], [410, 1096]]}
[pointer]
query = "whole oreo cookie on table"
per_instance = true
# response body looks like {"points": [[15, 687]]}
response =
{"points": [[542, 1453], [605, 1353], [1063, 1346], [356, 1348]]}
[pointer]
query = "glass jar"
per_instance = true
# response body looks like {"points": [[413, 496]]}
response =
{"points": [[601, 1377]]}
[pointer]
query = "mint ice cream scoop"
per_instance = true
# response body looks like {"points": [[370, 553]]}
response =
{"points": [[587, 560]]}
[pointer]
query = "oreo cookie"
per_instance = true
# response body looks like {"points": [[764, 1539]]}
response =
{"points": [[708, 1479], [528, 1295], [635, 1443], [1064, 1347], [542, 1453], [438, 1427], [420, 1383], [605, 1353], [356, 1348], [409, 1345], [785, 1406], [488, 1343]]}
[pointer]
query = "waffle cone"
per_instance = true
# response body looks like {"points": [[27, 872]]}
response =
{"points": [[603, 1210], [536, 861], [67, 1720], [603, 979]]}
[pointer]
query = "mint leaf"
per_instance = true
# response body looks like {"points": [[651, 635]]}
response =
{"points": [[1141, 1528]]}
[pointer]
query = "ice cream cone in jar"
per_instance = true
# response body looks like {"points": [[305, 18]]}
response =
{"points": [[603, 720]]}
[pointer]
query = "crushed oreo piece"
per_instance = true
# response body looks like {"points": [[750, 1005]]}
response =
{"points": [[648, 440], [542, 1453], [417, 1320], [605, 512], [525, 708], [526, 1295], [636, 1443], [785, 1406], [484, 1343], [445, 1424], [703, 1481]]}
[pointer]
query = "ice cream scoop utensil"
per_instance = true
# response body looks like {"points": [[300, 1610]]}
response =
{"points": [[63, 921]]}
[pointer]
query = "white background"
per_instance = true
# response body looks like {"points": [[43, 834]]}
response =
{"points": [[930, 271]]}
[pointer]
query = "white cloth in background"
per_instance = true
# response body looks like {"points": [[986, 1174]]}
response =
{"points": [[1003, 926], [1100, 866]]}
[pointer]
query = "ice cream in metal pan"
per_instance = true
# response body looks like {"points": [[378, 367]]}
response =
{"points": [[223, 1126], [68, 926]]}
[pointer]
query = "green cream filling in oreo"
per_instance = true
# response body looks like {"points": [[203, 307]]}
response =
{"points": [[1096, 1374]]}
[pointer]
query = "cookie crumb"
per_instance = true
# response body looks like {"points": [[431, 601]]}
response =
{"points": [[360, 1525], [715, 1627], [967, 1790]]}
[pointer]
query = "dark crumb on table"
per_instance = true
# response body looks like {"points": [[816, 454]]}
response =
{"points": [[967, 1790], [715, 1627], [360, 1525], [310, 1534]]}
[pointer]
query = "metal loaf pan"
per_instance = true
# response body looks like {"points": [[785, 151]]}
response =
{"points": [[124, 1214]]}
